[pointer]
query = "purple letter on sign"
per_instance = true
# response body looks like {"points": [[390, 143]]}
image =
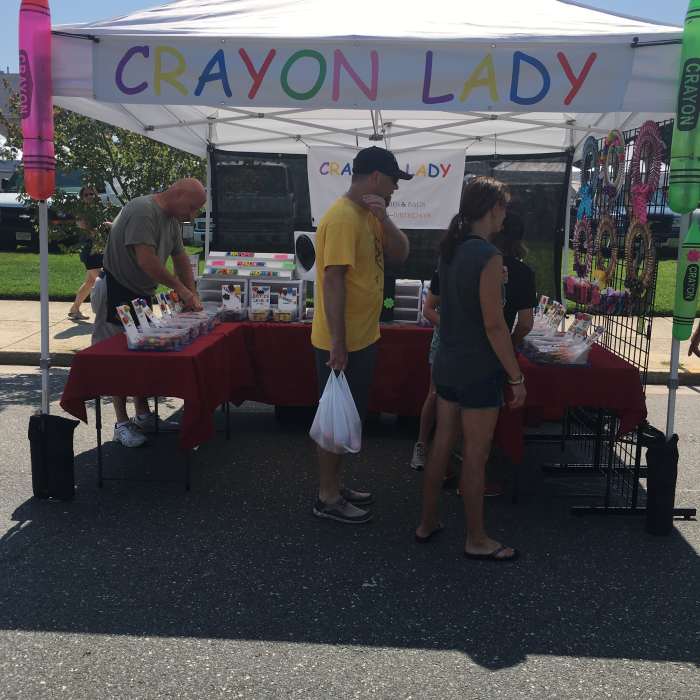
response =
{"points": [[144, 51], [426, 84]]}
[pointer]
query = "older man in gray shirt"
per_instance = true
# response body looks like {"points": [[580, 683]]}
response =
{"points": [[144, 235]]}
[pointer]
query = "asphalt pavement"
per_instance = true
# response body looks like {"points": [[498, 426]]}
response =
{"points": [[143, 590]]}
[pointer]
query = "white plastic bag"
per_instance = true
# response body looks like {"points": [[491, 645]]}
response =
{"points": [[337, 427]]}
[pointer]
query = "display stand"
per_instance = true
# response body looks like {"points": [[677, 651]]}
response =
{"points": [[593, 434]]}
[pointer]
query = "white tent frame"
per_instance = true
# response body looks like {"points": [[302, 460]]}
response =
{"points": [[295, 129]]}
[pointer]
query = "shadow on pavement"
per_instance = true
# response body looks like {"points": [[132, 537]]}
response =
{"points": [[25, 389], [78, 329], [241, 556]]}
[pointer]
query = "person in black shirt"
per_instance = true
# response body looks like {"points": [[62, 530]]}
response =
{"points": [[521, 293], [431, 312]]}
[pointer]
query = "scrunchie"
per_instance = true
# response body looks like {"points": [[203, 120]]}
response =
{"points": [[649, 137], [583, 248], [613, 146], [638, 285], [606, 226], [585, 205]]}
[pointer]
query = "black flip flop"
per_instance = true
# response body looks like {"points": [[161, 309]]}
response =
{"points": [[427, 538], [493, 556]]}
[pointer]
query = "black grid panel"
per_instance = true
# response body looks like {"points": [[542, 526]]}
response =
{"points": [[593, 433]]}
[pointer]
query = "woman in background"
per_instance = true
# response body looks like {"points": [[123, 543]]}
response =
{"points": [[90, 253], [521, 291], [427, 415]]}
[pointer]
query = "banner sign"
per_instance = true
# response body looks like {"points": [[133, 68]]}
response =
{"points": [[429, 200], [545, 77]]}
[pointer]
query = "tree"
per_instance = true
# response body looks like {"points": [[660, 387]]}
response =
{"points": [[130, 163]]}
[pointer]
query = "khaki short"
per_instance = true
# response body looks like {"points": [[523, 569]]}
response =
{"points": [[102, 329]]}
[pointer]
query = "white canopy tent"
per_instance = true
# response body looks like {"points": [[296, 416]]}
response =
{"points": [[624, 87], [504, 76]]}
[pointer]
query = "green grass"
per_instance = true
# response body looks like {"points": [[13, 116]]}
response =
{"points": [[19, 274], [19, 277]]}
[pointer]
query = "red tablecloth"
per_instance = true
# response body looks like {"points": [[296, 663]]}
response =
{"points": [[608, 382], [285, 371], [203, 375], [283, 364], [274, 363]]}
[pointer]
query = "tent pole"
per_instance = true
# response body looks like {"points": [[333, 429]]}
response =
{"points": [[207, 221], [567, 226], [675, 347], [44, 362]]}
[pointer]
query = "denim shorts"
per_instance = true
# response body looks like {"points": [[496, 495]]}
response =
{"points": [[485, 393]]}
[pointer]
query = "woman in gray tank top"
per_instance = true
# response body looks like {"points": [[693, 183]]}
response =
{"points": [[475, 359]]}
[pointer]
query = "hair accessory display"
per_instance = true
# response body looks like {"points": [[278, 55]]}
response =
{"points": [[583, 248], [636, 282], [648, 147], [606, 231], [612, 158]]}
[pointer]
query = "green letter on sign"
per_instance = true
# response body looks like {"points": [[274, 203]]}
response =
{"points": [[284, 78]]}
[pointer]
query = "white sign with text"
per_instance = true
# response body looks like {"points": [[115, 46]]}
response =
{"points": [[429, 200]]}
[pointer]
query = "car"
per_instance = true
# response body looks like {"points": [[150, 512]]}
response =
{"points": [[16, 220]]}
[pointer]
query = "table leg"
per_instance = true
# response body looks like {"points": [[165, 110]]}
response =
{"points": [[157, 417], [98, 429], [227, 412], [611, 457]]}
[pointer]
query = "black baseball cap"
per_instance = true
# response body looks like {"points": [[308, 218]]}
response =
{"points": [[374, 158]]}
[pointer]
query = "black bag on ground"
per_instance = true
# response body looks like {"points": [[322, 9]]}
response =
{"points": [[51, 445], [662, 471]]}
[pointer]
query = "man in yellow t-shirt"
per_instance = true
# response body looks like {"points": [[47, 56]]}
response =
{"points": [[352, 240]]}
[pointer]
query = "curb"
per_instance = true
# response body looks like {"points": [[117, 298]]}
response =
{"points": [[65, 359], [31, 359]]}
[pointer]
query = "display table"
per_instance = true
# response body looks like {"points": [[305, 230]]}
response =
{"points": [[608, 382], [283, 363], [204, 375], [282, 360], [274, 364]]}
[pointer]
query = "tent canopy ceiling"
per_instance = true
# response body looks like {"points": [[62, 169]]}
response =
{"points": [[283, 75]]}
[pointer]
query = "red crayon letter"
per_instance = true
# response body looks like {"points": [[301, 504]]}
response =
{"points": [[257, 76], [576, 82]]}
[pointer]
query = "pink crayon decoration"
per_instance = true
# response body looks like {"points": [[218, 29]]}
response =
{"points": [[36, 102]]}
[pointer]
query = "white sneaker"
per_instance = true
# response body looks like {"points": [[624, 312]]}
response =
{"points": [[129, 435], [418, 459], [147, 424]]}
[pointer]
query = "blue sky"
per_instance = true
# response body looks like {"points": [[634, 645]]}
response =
{"points": [[69, 11]]}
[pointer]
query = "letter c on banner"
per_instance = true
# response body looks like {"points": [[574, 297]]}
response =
{"points": [[518, 58], [324, 168], [119, 75]]}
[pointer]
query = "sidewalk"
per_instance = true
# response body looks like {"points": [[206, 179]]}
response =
{"points": [[20, 340]]}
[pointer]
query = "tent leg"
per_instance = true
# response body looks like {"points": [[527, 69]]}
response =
{"points": [[207, 224], [44, 362], [675, 348], [567, 226]]}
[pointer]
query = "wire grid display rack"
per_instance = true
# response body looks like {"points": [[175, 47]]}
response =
{"points": [[592, 434]]}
